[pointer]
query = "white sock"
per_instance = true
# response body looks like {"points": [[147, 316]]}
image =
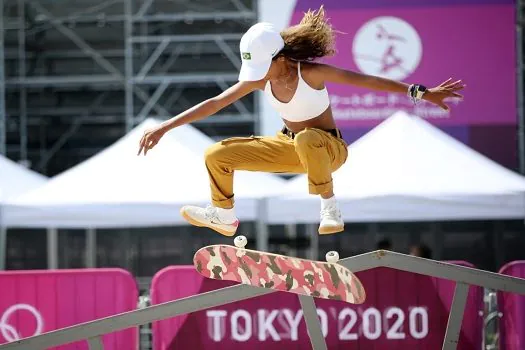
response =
{"points": [[227, 216], [328, 202]]}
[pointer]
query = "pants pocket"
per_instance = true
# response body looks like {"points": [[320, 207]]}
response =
{"points": [[240, 139]]}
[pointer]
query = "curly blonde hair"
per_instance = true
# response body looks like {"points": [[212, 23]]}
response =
{"points": [[312, 38]]}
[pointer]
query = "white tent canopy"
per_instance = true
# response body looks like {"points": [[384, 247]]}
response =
{"points": [[117, 188], [405, 169], [16, 179]]}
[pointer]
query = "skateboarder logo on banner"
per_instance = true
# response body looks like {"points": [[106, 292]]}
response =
{"points": [[387, 47]]}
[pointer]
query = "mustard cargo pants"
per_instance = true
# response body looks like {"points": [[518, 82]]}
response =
{"points": [[315, 152]]}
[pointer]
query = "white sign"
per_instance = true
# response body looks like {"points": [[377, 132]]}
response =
{"points": [[276, 325]]}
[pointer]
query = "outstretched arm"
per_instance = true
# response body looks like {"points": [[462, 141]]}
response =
{"points": [[211, 105], [198, 112], [435, 95]]}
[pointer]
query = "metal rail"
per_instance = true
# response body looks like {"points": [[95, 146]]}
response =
{"points": [[463, 276]]}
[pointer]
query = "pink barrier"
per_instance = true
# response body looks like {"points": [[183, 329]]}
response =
{"points": [[35, 302], [512, 323], [403, 311]]}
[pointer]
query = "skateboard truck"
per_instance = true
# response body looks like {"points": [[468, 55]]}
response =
{"points": [[240, 241], [332, 257]]}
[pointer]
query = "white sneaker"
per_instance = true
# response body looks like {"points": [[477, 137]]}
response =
{"points": [[331, 221], [208, 217]]}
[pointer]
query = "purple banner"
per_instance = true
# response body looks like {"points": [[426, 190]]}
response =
{"points": [[402, 311], [304, 5], [409, 41], [512, 324], [36, 302]]}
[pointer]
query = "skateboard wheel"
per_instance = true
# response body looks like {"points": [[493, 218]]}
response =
{"points": [[332, 257], [240, 241]]}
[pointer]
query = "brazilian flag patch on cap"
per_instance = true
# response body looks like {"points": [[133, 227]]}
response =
{"points": [[246, 56]]}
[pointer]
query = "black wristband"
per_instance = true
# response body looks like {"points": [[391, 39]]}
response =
{"points": [[416, 92]]}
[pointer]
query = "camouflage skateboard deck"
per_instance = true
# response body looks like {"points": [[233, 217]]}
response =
{"points": [[300, 276]]}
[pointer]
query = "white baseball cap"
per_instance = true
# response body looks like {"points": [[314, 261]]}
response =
{"points": [[258, 46]]}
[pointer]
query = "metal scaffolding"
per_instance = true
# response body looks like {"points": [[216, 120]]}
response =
{"points": [[103, 66]]}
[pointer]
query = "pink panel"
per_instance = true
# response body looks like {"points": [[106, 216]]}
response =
{"points": [[403, 311], [512, 326], [40, 301]]}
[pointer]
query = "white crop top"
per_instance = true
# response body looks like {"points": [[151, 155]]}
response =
{"points": [[306, 103]]}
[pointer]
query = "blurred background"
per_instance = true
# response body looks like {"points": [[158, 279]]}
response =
{"points": [[78, 76]]}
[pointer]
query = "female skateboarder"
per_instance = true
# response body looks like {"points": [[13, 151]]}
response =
{"points": [[282, 64]]}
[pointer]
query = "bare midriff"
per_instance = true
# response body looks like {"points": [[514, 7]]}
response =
{"points": [[325, 122]]}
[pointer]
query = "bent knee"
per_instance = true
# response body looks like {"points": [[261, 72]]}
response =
{"points": [[308, 137], [214, 153]]}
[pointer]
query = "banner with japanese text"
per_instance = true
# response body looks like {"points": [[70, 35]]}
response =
{"points": [[423, 42]]}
